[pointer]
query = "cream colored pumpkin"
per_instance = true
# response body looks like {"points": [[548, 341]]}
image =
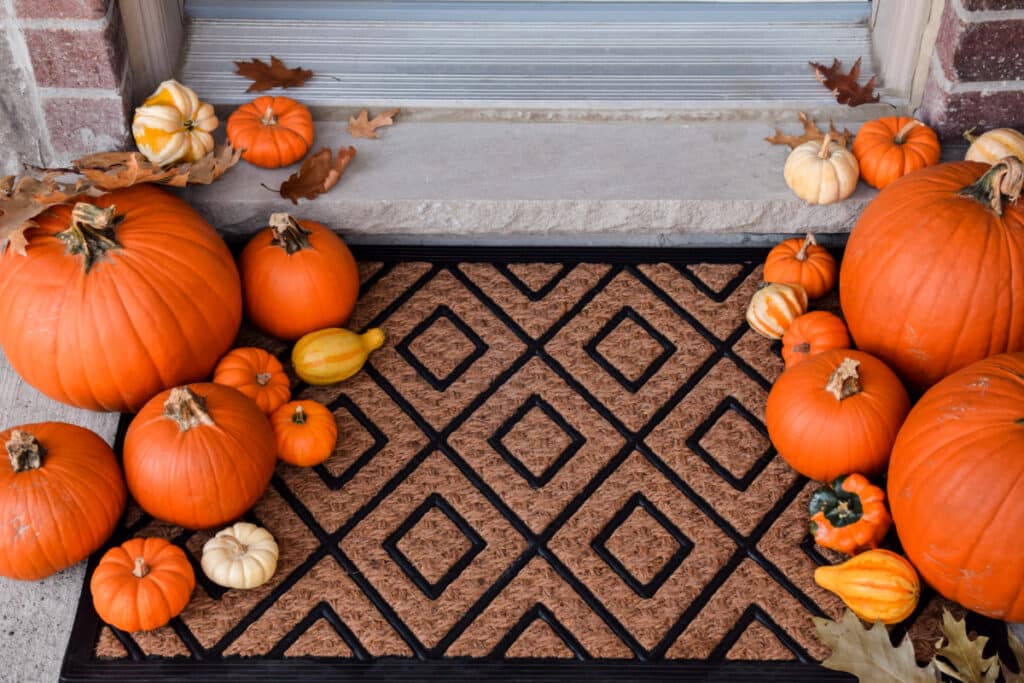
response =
{"points": [[821, 172], [241, 556], [775, 306], [173, 125], [994, 145]]}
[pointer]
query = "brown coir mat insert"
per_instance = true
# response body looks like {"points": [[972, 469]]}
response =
{"points": [[557, 467]]}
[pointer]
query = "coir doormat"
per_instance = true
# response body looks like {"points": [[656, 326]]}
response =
{"points": [[556, 468]]}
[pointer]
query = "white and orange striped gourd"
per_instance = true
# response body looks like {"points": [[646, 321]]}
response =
{"points": [[333, 354], [994, 145], [775, 306], [172, 125]]}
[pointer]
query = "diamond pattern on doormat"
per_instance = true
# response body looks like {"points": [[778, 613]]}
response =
{"points": [[547, 463]]}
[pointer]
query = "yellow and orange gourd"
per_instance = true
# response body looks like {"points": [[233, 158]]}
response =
{"points": [[878, 585], [333, 354]]}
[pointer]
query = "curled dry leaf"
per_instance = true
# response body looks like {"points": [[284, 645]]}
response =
{"points": [[811, 132], [869, 655], [363, 127], [274, 75], [318, 174], [966, 658], [844, 85], [22, 199]]}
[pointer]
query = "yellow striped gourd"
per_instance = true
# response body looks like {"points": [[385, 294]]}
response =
{"points": [[333, 354]]}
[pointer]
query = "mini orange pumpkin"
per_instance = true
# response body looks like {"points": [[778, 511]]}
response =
{"points": [[850, 515], [893, 146], [804, 262], [306, 433], [811, 334], [774, 307], [142, 584], [297, 277], [257, 374], [271, 131], [836, 413]]}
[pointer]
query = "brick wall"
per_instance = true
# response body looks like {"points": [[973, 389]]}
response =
{"points": [[70, 75], [976, 77]]}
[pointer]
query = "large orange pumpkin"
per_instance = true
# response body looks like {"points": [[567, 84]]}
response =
{"points": [[893, 146], [298, 277], [118, 298], [932, 279], [271, 131], [61, 494], [956, 486], [199, 456], [836, 413]]}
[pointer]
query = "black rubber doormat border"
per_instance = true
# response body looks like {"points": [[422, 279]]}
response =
{"points": [[429, 663]]}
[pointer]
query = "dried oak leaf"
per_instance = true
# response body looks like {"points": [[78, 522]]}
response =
{"points": [[318, 174], [274, 75], [869, 655], [363, 127], [22, 199], [966, 660], [811, 132], [114, 170], [845, 86], [1017, 648]]}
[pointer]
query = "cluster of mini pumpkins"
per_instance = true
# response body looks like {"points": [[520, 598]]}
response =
{"points": [[131, 302], [931, 288], [825, 171]]}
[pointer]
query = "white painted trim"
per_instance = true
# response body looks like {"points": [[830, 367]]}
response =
{"points": [[901, 38], [155, 33]]}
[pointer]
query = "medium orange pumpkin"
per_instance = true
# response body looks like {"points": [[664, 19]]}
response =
{"points": [[199, 456], [931, 279], [893, 146], [298, 276], [118, 298], [61, 494], [257, 374], [804, 262], [306, 433], [142, 584], [812, 333], [956, 486], [836, 413], [271, 131]]}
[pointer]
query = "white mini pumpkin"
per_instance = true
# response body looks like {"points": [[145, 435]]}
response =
{"points": [[994, 145], [241, 556], [172, 125], [821, 172]]}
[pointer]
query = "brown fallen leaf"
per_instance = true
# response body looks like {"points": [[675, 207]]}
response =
{"points": [[363, 127], [318, 174], [844, 85], [1017, 648], [113, 170], [966, 658], [24, 198], [811, 132], [274, 75], [868, 653]]}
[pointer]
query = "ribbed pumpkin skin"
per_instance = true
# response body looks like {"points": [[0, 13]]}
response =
{"points": [[815, 271], [276, 144], [243, 369], [811, 334], [774, 307], [156, 313], [307, 440], [876, 585], [289, 295], [993, 145], [333, 354], [208, 475], [822, 437], [956, 486], [883, 160], [142, 603], [57, 515], [930, 281]]}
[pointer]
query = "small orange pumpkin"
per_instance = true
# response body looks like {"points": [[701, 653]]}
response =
{"points": [[802, 261], [775, 306], [836, 413], [271, 131], [812, 333], [850, 515], [893, 146], [257, 374], [878, 585], [142, 584], [306, 433]]}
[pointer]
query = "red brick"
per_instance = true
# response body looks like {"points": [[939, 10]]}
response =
{"points": [[70, 58], [950, 114], [980, 51], [83, 125], [61, 9], [988, 5]]}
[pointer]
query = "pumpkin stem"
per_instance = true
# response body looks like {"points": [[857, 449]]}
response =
{"points": [[262, 378], [802, 347], [809, 241], [187, 408], [824, 152], [901, 136], [845, 381], [25, 451], [268, 117], [237, 546], [288, 234], [299, 416], [372, 339], [970, 136], [141, 568], [91, 232], [1003, 182]]}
